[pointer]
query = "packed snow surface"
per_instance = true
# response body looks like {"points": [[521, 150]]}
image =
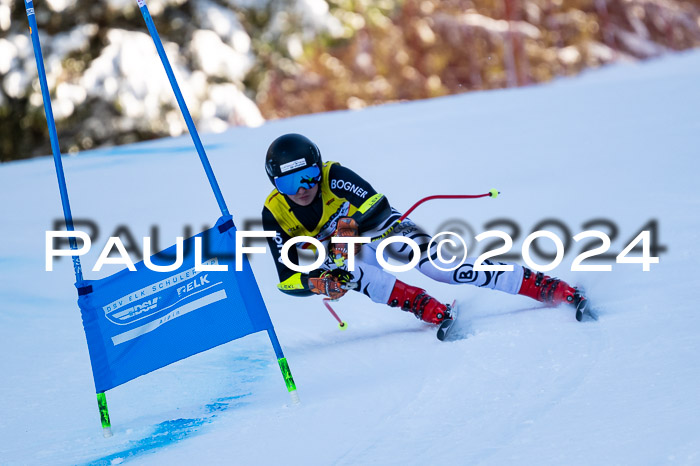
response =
{"points": [[529, 386]]}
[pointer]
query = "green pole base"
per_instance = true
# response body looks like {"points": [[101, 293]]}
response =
{"points": [[289, 380], [104, 415], [287, 374]]}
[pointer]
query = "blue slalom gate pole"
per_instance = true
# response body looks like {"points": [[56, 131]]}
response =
{"points": [[281, 360], [183, 107], [55, 149], [284, 366], [34, 31]]}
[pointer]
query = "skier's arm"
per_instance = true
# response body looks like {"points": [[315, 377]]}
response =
{"points": [[291, 282], [372, 208]]}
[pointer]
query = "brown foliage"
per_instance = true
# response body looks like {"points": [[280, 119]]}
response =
{"points": [[428, 48]]}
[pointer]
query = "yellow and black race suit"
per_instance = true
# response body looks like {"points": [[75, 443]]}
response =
{"points": [[341, 193]]}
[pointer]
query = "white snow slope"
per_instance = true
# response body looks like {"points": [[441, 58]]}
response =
{"points": [[529, 386]]}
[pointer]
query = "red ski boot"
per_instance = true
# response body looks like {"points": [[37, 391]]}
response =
{"points": [[417, 301], [553, 291]]}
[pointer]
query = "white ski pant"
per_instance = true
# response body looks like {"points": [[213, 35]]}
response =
{"points": [[377, 283]]}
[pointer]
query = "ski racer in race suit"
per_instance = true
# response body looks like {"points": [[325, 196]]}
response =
{"points": [[322, 200]]}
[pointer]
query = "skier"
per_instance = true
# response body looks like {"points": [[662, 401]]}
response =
{"points": [[322, 200]]}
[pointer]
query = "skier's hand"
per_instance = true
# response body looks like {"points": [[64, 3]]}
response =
{"points": [[347, 227], [332, 283]]}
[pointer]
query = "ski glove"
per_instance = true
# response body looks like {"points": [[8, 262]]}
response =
{"points": [[332, 283], [347, 227]]}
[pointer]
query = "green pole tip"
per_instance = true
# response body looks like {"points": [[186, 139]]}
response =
{"points": [[287, 374], [494, 193], [343, 326], [104, 413]]}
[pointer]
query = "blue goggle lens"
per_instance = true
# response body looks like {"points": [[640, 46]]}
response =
{"points": [[306, 178]]}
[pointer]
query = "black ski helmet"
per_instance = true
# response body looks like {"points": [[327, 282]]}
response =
{"points": [[290, 148]]}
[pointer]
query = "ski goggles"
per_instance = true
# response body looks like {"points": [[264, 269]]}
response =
{"points": [[306, 178]]}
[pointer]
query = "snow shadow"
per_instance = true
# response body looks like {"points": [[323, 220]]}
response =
{"points": [[171, 431]]}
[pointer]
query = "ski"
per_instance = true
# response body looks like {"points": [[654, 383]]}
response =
{"points": [[583, 306], [444, 331]]}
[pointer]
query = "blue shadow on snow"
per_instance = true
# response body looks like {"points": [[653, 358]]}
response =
{"points": [[171, 431]]}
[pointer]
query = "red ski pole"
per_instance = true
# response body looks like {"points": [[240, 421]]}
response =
{"points": [[493, 193], [341, 325]]}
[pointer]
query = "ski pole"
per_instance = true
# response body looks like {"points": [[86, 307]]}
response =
{"points": [[492, 193], [341, 325]]}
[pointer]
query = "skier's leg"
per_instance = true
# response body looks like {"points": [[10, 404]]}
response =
{"points": [[373, 282], [382, 287], [520, 280], [508, 282]]}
